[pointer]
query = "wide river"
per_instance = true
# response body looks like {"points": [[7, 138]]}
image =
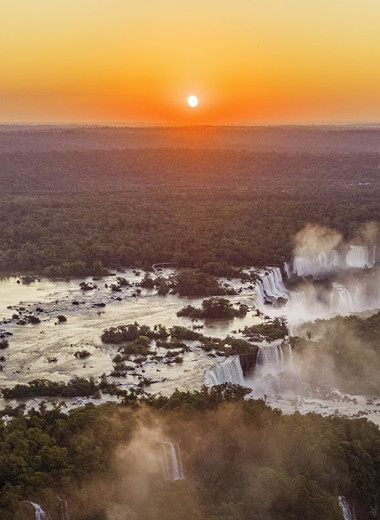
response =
{"points": [[46, 350]]}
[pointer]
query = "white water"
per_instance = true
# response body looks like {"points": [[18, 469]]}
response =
{"points": [[270, 286], [270, 360], [282, 384], [39, 513], [348, 511], [63, 509], [171, 461], [353, 257], [228, 371], [33, 346], [310, 301], [273, 371], [274, 358], [350, 293]]}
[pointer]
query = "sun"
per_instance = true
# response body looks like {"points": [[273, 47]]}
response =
{"points": [[192, 101]]}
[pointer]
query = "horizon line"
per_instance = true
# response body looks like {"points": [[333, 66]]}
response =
{"points": [[330, 124]]}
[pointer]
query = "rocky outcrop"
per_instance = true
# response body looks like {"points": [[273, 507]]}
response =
{"points": [[248, 360]]}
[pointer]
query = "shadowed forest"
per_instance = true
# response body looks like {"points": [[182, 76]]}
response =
{"points": [[104, 461], [69, 212]]}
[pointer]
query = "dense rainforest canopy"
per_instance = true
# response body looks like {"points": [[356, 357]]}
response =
{"points": [[70, 212], [267, 466]]}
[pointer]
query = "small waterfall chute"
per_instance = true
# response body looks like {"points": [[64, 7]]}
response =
{"points": [[270, 286], [228, 371], [63, 509], [272, 360], [358, 257], [171, 461], [39, 513], [274, 369], [341, 300], [290, 355], [288, 269], [347, 510]]}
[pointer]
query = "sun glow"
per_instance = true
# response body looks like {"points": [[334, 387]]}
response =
{"points": [[192, 101]]}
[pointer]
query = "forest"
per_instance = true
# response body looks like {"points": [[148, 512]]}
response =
{"points": [[71, 213], [77, 211], [268, 466]]}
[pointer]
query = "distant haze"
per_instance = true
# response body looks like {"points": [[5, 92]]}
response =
{"points": [[319, 140]]}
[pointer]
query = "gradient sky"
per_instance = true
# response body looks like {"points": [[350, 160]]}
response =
{"points": [[135, 62]]}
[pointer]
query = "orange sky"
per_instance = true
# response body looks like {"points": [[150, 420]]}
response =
{"points": [[135, 62]]}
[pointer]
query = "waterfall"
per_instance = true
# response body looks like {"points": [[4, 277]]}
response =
{"points": [[348, 511], [228, 371], [358, 257], [270, 286], [290, 356], [274, 371], [349, 257], [316, 265], [271, 359], [63, 509], [341, 300], [171, 461], [39, 513]]}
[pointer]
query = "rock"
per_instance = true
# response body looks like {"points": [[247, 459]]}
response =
{"points": [[248, 360]]}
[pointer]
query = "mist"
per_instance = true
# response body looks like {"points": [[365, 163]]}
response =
{"points": [[330, 302]]}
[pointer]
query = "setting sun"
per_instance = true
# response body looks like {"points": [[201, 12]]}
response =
{"points": [[192, 101]]}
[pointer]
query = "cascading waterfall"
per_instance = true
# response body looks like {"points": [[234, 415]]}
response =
{"points": [[171, 461], [274, 358], [270, 286], [360, 257], [316, 265], [270, 360], [353, 257], [348, 511], [290, 356], [228, 371], [273, 370], [63, 509], [342, 300], [313, 301], [39, 513]]}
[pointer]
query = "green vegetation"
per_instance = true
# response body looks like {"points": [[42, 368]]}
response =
{"points": [[132, 332], [266, 466], [33, 319], [272, 330], [73, 213], [214, 308], [121, 333], [136, 340], [190, 282], [137, 347], [184, 333], [77, 387]]}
